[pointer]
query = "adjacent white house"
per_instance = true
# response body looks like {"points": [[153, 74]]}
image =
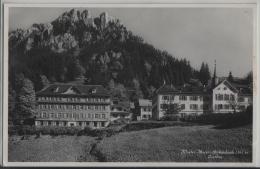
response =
{"points": [[225, 97], [230, 97]]}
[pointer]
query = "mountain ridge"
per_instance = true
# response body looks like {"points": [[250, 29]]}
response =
{"points": [[99, 49]]}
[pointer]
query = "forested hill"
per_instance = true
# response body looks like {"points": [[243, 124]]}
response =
{"points": [[99, 49]]}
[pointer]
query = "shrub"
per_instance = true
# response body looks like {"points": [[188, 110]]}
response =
{"points": [[223, 120], [26, 130]]}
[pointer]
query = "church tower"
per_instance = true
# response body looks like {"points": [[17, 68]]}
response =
{"points": [[214, 78]]}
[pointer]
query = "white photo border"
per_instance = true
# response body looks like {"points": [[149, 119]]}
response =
{"points": [[254, 4]]}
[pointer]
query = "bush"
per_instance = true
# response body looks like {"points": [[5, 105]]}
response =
{"points": [[58, 130], [170, 118], [223, 120], [26, 130]]}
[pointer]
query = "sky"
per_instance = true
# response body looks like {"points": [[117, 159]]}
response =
{"points": [[197, 34]]}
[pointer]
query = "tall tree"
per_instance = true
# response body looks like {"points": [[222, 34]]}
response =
{"points": [[230, 77], [204, 73], [25, 100]]}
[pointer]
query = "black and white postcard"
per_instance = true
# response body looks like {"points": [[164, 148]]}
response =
{"points": [[152, 84]]}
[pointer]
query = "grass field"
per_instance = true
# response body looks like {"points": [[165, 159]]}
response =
{"points": [[167, 144]]}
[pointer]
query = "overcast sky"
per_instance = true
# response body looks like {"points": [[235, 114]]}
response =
{"points": [[197, 34]]}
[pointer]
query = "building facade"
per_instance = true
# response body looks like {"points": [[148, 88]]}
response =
{"points": [[189, 100], [144, 109], [73, 105], [121, 109], [231, 97]]}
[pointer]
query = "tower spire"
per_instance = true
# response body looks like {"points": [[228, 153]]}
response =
{"points": [[214, 78], [214, 69]]}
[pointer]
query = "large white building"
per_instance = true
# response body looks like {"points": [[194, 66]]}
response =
{"points": [[190, 100], [73, 105]]}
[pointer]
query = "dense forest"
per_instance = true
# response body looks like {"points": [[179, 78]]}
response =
{"points": [[99, 50]]}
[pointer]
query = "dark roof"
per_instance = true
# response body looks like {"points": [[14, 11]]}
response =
{"points": [[243, 89], [61, 89], [184, 89]]}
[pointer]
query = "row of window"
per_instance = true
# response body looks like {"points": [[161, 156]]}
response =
{"points": [[192, 106], [226, 97], [72, 99], [65, 123], [222, 106], [227, 106], [147, 109], [72, 115], [183, 97], [71, 107]]}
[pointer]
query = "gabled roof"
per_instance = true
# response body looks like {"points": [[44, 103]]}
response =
{"points": [[144, 102], [70, 89], [236, 87]]}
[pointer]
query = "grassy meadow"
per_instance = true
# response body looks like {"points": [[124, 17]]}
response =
{"points": [[167, 144]]}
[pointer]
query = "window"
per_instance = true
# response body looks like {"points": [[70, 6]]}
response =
{"points": [[172, 97], [194, 98], [44, 115], [165, 97], [144, 116], [89, 115], [226, 97], [41, 123], [96, 107], [103, 116], [59, 115], [82, 115], [225, 88], [57, 123], [194, 107], [182, 106], [226, 106], [232, 97], [96, 115], [52, 115], [201, 106], [220, 96], [144, 109], [65, 123], [102, 124], [220, 106], [163, 106], [95, 124], [80, 124], [183, 97]]}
